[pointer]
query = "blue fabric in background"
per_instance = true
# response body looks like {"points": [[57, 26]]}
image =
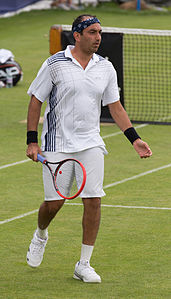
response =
{"points": [[13, 5]]}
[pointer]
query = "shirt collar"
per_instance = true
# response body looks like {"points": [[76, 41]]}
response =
{"points": [[68, 54]]}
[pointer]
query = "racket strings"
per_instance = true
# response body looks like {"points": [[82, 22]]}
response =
{"points": [[68, 178]]}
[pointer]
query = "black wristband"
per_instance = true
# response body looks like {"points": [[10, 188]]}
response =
{"points": [[32, 137], [131, 134]]}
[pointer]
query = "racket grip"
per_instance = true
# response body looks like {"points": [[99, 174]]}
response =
{"points": [[41, 158]]}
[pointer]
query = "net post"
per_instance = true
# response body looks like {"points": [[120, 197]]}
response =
{"points": [[55, 39]]}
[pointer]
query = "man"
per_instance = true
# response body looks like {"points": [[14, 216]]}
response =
{"points": [[74, 82]]}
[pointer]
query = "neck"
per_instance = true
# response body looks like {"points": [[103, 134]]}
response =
{"points": [[82, 57]]}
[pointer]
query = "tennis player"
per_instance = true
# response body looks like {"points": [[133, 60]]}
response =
{"points": [[74, 82]]}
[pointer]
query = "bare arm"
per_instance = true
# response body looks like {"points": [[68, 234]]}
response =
{"points": [[119, 115], [121, 118], [33, 117]]}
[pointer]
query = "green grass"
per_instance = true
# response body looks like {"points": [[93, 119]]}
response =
{"points": [[132, 252]]}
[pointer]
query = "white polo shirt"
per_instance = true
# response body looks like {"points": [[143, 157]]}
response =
{"points": [[74, 96]]}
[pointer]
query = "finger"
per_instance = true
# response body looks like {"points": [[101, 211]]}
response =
{"points": [[35, 156], [28, 155], [148, 155], [38, 152], [148, 150]]}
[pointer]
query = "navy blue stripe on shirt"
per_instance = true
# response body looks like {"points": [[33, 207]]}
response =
{"points": [[50, 136], [60, 56]]}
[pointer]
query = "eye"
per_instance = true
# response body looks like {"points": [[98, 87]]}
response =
{"points": [[95, 32]]}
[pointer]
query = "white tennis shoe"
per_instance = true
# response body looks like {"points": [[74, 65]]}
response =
{"points": [[36, 251], [83, 271]]}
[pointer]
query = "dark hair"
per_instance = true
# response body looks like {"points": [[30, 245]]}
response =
{"points": [[80, 18]]}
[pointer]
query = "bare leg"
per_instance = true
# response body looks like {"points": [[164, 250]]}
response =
{"points": [[91, 220], [47, 212]]}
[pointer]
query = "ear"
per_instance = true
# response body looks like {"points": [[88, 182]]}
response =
{"points": [[76, 36]]}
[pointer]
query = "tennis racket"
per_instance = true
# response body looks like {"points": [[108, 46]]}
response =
{"points": [[69, 176]]}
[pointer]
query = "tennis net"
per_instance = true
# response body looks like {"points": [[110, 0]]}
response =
{"points": [[146, 74]]}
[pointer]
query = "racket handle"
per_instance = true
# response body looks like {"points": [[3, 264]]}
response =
{"points": [[41, 159]]}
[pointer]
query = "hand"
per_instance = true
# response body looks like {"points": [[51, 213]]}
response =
{"points": [[32, 150], [142, 148]]}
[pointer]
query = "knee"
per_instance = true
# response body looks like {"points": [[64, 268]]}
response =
{"points": [[54, 206], [92, 203]]}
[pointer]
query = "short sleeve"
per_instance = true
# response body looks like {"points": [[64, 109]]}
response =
{"points": [[42, 84], [111, 92]]}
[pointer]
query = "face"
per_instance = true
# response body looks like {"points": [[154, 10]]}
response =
{"points": [[89, 40]]}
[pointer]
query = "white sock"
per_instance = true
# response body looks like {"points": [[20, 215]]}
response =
{"points": [[86, 252], [42, 233]]}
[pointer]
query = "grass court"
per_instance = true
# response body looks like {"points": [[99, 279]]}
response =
{"points": [[132, 252]]}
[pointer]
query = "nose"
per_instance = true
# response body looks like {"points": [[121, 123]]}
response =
{"points": [[98, 37]]}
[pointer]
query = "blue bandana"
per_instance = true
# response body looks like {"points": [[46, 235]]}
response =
{"points": [[84, 24]]}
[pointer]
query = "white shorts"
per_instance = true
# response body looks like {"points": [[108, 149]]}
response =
{"points": [[93, 161]]}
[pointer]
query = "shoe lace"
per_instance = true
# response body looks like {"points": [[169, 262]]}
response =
{"points": [[88, 268], [38, 247]]}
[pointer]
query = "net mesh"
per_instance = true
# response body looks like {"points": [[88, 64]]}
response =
{"points": [[147, 77]]}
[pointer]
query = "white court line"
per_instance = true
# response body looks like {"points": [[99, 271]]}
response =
{"points": [[137, 176], [104, 137], [18, 217], [125, 207], [105, 187], [15, 163], [80, 204], [120, 132]]}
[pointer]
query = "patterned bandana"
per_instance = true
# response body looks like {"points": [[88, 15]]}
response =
{"points": [[84, 24]]}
